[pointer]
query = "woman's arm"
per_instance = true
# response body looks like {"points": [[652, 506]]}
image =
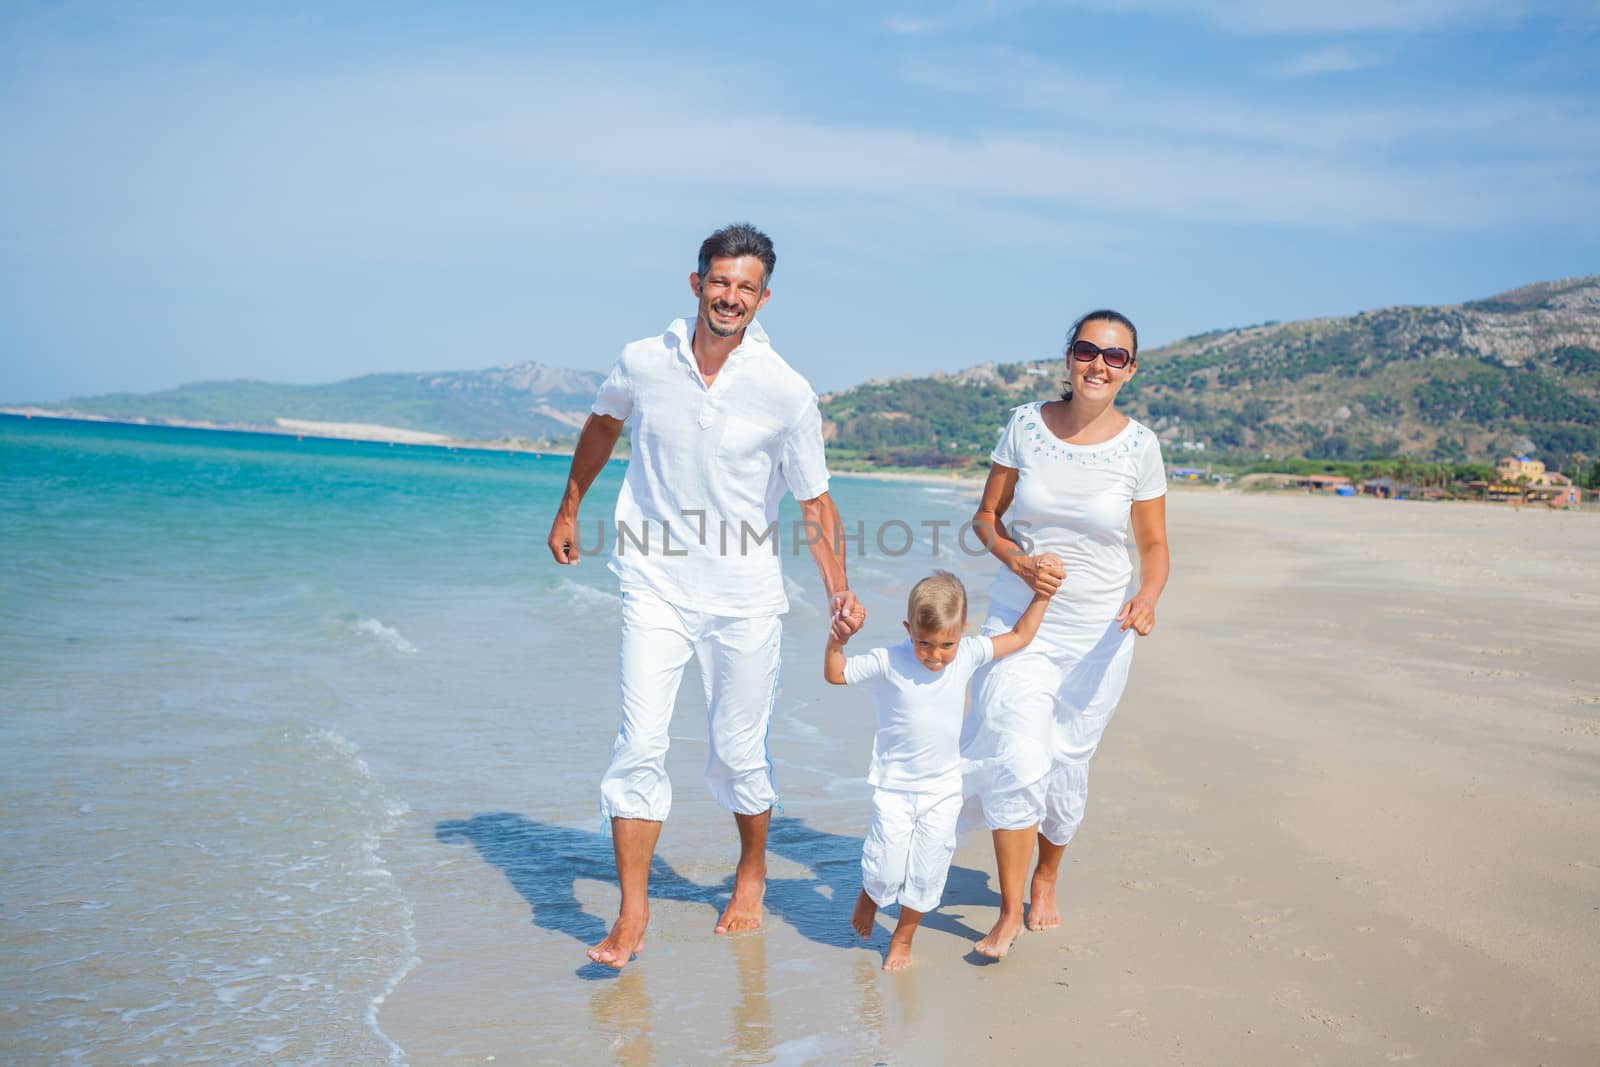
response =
{"points": [[996, 500], [1150, 534]]}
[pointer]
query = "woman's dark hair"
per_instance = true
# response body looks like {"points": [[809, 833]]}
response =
{"points": [[740, 239], [1100, 315]]}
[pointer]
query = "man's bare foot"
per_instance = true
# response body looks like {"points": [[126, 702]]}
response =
{"points": [[865, 912], [1042, 913], [998, 941], [625, 939], [744, 909], [899, 957]]}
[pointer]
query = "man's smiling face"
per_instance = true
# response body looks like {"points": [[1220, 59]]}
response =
{"points": [[730, 292]]}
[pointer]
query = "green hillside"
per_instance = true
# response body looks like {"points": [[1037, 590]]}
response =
{"points": [[1519, 372], [524, 400], [1469, 383]]}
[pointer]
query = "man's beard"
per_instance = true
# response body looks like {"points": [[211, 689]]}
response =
{"points": [[724, 331]]}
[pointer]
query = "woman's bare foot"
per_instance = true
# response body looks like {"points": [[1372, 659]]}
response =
{"points": [[865, 912], [998, 941], [744, 909], [1042, 912], [899, 957], [625, 939]]}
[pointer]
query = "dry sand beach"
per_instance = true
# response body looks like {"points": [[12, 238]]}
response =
{"points": [[1349, 813]]}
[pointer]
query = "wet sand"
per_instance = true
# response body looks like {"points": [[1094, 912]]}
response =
{"points": [[1349, 812]]}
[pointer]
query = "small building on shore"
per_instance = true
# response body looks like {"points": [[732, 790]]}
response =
{"points": [[1523, 480]]}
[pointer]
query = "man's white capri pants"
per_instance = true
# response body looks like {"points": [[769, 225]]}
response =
{"points": [[738, 659], [911, 838]]}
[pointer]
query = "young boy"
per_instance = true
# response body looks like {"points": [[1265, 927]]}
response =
{"points": [[920, 690]]}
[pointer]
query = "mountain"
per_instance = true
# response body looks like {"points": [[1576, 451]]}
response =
{"points": [[1519, 372], [523, 400]]}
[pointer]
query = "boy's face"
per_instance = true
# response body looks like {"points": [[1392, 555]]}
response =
{"points": [[935, 648]]}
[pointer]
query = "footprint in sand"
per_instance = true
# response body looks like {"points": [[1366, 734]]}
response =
{"points": [[1201, 856], [1496, 672], [1313, 953], [1134, 883], [1079, 952], [1508, 650]]}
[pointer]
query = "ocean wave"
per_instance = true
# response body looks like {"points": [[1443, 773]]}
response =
{"points": [[587, 596], [387, 634], [392, 811], [799, 597]]}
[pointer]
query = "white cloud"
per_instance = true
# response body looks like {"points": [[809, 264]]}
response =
{"points": [[416, 165], [1335, 59], [1330, 16], [911, 25]]}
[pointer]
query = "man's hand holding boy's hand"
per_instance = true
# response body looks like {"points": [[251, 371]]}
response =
{"points": [[848, 615]]}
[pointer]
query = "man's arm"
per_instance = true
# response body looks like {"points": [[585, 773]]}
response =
{"points": [[595, 443], [821, 516]]}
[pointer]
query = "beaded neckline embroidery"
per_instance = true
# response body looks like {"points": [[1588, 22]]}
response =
{"points": [[1043, 442]]}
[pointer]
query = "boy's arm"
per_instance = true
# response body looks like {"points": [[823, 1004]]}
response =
{"points": [[1022, 633], [833, 662]]}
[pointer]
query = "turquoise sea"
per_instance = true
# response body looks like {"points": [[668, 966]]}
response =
{"points": [[289, 724]]}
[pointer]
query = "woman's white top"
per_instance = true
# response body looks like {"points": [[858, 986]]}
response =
{"points": [[1074, 501]]}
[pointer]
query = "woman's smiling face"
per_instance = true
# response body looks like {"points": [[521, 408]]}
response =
{"points": [[1095, 380]]}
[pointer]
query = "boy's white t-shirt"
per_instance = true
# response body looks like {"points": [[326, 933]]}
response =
{"points": [[918, 745]]}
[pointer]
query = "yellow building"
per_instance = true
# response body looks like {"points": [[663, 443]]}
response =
{"points": [[1532, 471]]}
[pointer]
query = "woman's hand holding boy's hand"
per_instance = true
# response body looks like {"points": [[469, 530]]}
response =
{"points": [[1043, 573]]}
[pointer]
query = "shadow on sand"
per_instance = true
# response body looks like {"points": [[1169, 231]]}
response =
{"points": [[543, 864]]}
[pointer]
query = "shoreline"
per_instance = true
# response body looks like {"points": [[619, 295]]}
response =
{"points": [[374, 433]]}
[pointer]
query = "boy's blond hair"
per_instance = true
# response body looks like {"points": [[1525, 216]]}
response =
{"points": [[937, 603]]}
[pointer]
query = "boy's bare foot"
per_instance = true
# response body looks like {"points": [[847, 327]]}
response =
{"points": [[899, 957], [1042, 912], [865, 912], [998, 941], [744, 909], [625, 939]]}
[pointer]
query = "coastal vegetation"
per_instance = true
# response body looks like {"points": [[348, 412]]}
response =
{"points": [[1438, 392]]}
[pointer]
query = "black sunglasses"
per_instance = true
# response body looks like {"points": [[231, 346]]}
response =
{"points": [[1085, 351]]}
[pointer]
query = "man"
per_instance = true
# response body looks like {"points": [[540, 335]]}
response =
{"points": [[723, 427]]}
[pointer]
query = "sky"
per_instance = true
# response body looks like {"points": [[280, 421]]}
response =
{"points": [[305, 193]]}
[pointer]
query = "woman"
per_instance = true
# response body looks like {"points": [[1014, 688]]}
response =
{"points": [[1065, 479]]}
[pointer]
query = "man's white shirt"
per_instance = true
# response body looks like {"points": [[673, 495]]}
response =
{"points": [[697, 514]]}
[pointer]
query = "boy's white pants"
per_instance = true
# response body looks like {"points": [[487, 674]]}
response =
{"points": [[738, 659], [911, 838]]}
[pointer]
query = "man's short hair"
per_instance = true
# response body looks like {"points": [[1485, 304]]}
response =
{"points": [[937, 603], [740, 239]]}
